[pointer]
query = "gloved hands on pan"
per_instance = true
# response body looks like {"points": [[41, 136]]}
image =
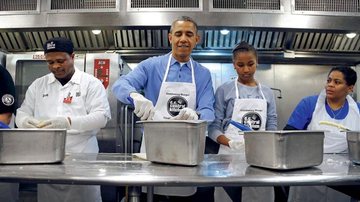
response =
{"points": [[144, 108], [236, 144], [30, 122], [57, 122], [186, 114]]}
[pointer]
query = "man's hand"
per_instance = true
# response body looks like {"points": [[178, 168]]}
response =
{"points": [[236, 144], [186, 114], [58, 122], [144, 108], [30, 122]]}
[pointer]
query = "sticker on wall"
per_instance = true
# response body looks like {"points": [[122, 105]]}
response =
{"points": [[102, 71]]}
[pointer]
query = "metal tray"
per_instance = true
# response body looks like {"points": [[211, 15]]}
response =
{"points": [[175, 142], [353, 139], [284, 149], [30, 146]]}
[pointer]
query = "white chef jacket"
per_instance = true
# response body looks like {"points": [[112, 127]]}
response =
{"points": [[88, 110]]}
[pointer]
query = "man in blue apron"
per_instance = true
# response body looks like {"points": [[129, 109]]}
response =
{"points": [[71, 99], [8, 191], [246, 101], [174, 85], [332, 105]]}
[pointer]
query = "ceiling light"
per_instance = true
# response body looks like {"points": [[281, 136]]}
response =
{"points": [[224, 31], [351, 35], [96, 31]]}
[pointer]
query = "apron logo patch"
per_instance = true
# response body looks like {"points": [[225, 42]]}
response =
{"points": [[253, 120], [7, 100], [175, 104]]}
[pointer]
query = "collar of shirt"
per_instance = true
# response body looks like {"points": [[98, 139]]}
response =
{"points": [[74, 79], [173, 61]]}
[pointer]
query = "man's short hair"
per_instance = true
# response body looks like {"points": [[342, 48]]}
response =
{"points": [[186, 19]]}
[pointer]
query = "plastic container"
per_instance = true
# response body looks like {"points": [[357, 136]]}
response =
{"points": [[30, 146], [284, 149], [175, 142]]}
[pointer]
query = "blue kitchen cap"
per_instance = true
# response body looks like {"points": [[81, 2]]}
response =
{"points": [[7, 92], [59, 44]]}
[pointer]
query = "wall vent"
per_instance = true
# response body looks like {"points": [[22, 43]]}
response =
{"points": [[245, 5], [325, 42], [84, 5], [344, 44], [326, 7], [164, 5], [141, 39], [19, 6], [269, 40]]}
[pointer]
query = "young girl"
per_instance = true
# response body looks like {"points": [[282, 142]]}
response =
{"points": [[248, 102]]}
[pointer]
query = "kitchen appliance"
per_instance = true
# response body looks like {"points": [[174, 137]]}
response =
{"points": [[284, 150], [175, 141], [30, 146]]}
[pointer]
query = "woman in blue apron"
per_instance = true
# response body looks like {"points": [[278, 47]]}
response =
{"points": [[332, 105], [248, 102]]}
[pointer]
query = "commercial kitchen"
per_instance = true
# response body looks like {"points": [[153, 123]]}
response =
{"points": [[298, 42]]}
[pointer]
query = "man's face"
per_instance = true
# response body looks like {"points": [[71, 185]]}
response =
{"points": [[183, 39], [61, 64]]}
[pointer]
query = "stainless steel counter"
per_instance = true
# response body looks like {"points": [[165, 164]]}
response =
{"points": [[215, 170]]}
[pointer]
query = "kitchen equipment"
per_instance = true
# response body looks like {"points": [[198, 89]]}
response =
{"points": [[329, 123], [179, 142], [353, 140], [284, 149], [240, 126], [30, 146]]}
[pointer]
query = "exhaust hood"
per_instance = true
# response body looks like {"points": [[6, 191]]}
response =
{"points": [[313, 32]]}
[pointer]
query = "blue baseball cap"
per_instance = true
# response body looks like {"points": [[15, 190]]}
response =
{"points": [[7, 92], [59, 44]]}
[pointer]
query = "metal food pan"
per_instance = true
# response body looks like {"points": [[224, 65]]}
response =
{"points": [[353, 140], [284, 149], [175, 142], [31, 146]]}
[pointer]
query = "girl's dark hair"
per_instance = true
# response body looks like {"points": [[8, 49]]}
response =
{"points": [[243, 47], [349, 74]]}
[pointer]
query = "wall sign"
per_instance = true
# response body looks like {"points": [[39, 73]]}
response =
{"points": [[102, 70]]}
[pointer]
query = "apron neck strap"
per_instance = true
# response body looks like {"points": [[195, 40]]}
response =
{"points": [[237, 89], [168, 67]]}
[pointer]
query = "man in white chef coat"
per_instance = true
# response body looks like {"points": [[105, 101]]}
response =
{"points": [[70, 99], [8, 191]]}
